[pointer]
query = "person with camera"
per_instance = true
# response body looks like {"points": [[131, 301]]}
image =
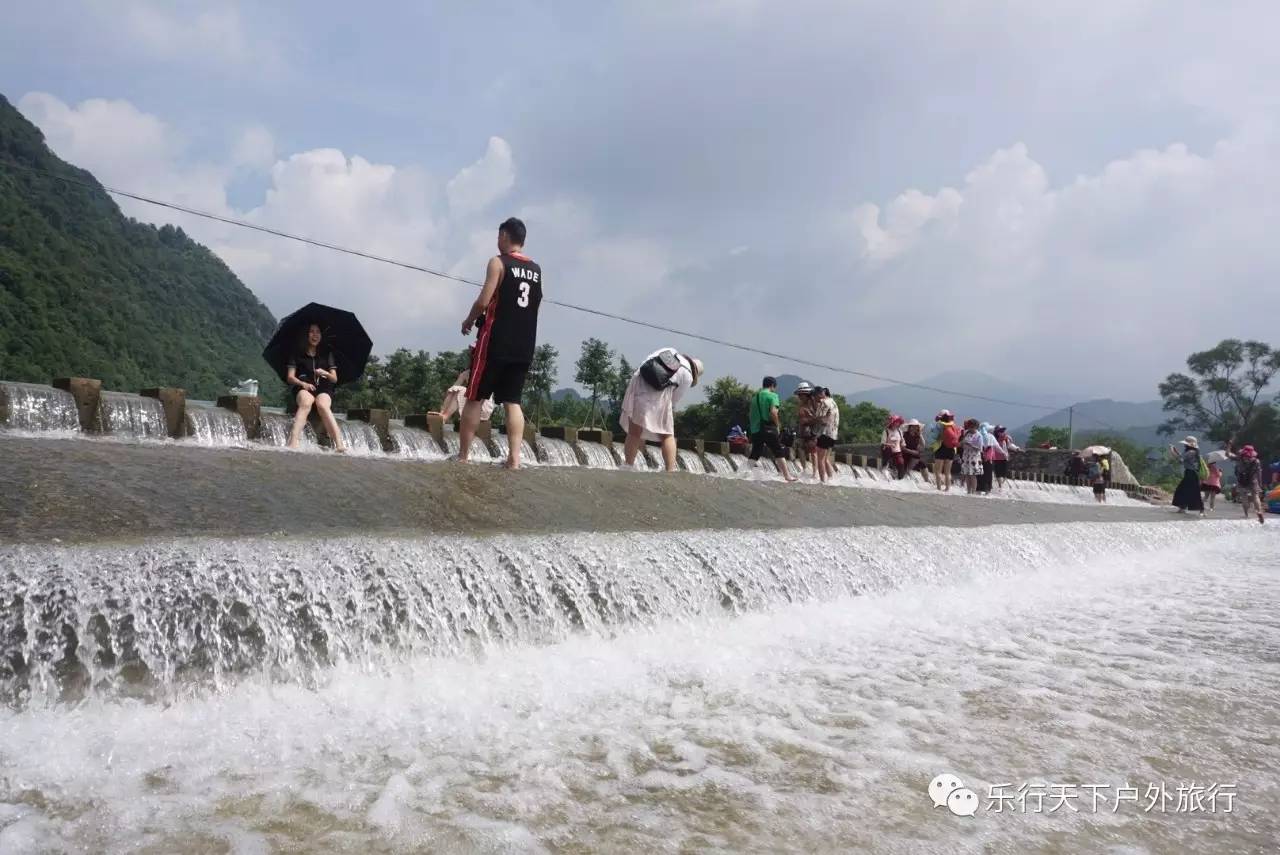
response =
{"points": [[648, 405], [766, 425]]}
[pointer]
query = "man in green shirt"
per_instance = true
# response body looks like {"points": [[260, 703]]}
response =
{"points": [[766, 425]]}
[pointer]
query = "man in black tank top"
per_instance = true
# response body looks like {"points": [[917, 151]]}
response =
{"points": [[507, 313]]}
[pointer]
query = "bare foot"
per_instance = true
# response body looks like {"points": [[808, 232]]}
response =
{"points": [[509, 465]]}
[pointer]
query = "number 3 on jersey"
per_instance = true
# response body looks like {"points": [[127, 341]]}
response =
{"points": [[523, 300]]}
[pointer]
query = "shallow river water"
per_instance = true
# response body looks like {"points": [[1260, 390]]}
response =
{"points": [[751, 712]]}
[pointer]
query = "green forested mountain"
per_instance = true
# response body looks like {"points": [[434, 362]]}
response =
{"points": [[88, 292]]}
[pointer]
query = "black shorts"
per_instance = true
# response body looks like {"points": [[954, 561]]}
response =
{"points": [[504, 381], [324, 387], [1000, 468], [1099, 489], [766, 439], [944, 452], [826, 442]]}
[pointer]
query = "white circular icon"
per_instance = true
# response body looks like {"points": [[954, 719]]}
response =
{"points": [[943, 786], [963, 802]]}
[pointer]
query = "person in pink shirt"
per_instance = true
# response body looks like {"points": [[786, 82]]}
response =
{"points": [[1000, 455], [1212, 485]]}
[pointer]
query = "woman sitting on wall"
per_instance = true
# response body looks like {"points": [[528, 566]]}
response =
{"points": [[312, 377]]}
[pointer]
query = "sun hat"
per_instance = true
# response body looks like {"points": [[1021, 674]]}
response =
{"points": [[913, 423], [945, 414], [804, 388], [894, 420], [970, 423], [1000, 429], [697, 368], [1192, 442]]}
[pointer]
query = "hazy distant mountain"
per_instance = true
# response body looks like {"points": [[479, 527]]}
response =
{"points": [[923, 404], [561, 394], [1136, 421]]}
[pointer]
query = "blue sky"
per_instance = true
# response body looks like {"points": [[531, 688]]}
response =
{"points": [[1067, 195]]}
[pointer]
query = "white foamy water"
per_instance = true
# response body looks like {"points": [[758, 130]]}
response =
{"points": [[598, 456], [275, 429], [131, 416], [477, 452], [360, 438], [415, 444], [215, 427], [30, 407], [1118, 654], [528, 457], [559, 452]]}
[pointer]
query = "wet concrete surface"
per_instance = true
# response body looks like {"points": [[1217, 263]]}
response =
{"points": [[86, 490]]}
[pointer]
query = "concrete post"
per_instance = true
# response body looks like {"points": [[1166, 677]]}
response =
{"points": [[381, 422], [595, 435], [87, 394], [432, 423], [248, 407], [174, 402]]}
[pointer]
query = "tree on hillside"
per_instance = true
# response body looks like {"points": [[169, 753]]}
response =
{"points": [[728, 403], [1058, 437], [1221, 394], [861, 423], [617, 390], [595, 371], [540, 380]]}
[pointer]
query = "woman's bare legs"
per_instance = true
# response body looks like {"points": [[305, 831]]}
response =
{"points": [[635, 439], [305, 399], [324, 404], [668, 452]]}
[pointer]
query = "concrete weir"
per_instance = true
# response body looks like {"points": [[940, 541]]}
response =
{"points": [[85, 491]]}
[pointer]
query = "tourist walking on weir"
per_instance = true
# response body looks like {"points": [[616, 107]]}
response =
{"points": [[648, 405], [827, 427], [944, 450], [1000, 455], [806, 423], [891, 444], [987, 432], [1211, 486], [312, 377], [1098, 479], [1187, 496], [766, 426], [971, 455], [1249, 481], [507, 313], [912, 447]]}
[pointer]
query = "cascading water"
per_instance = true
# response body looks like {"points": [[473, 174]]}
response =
{"points": [[528, 457], [720, 465], [215, 427], [598, 457], [416, 444], [155, 618], [31, 407], [558, 452], [133, 416], [360, 438], [275, 429], [478, 453], [691, 461]]}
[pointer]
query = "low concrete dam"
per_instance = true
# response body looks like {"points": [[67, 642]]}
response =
{"points": [[221, 647]]}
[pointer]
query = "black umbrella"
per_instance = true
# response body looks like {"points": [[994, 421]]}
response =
{"points": [[343, 335]]}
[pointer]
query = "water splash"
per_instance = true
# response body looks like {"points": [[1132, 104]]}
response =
{"points": [[720, 465], [598, 457], [416, 444], [216, 427], [690, 461], [152, 619], [132, 416], [31, 407], [528, 457], [275, 429], [558, 452], [477, 453], [360, 438]]}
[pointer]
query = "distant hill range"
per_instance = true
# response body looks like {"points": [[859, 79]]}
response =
{"points": [[86, 291], [1137, 422]]}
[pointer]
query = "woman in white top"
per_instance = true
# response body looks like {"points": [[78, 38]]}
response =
{"points": [[648, 413]]}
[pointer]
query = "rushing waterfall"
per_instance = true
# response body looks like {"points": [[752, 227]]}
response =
{"points": [[133, 618], [528, 457], [416, 444], [478, 453], [691, 461], [598, 456], [131, 416], [30, 407], [720, 465], [559, 452], [214, 426], [361, 438], [275, 429]]}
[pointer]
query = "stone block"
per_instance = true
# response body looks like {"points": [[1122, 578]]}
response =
{"points": [[87, 393], [595, 435], [248, 407], [174, 402], [568, 434]]}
